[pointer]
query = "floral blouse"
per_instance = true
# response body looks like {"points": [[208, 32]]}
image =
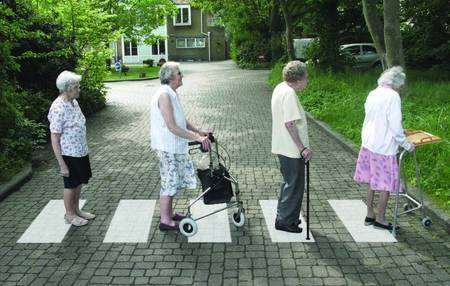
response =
{"points": [[67, 119]]}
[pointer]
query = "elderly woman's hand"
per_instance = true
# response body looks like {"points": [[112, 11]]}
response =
{"points": [[64, 170], [206, 143], [306, 154], [205, 132]]}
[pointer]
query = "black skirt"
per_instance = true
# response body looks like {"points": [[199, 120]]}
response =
{"points": [[79, 171]]}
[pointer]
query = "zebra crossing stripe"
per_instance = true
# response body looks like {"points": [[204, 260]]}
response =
{"points": [[131, 222], [49, 226], [214, 228], [352, 214], [269, 208]]}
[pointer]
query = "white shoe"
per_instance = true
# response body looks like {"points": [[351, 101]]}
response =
{"points": [[75, 220], [85, 215]]}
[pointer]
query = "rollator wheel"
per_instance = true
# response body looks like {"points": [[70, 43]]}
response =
{"points": [[188, 227], [426, 222], [238, 218]]}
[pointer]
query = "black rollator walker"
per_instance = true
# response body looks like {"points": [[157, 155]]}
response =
{"points": [[217, 187]]}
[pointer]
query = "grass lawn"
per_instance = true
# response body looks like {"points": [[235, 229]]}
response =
{"points": [[133, 73], [338, 99]]}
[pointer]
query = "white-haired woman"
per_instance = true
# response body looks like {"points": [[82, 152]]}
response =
{"points": [[68, 136], [170, 133], [382, 134]]}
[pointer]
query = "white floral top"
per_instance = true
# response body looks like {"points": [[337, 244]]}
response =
{"points": [[67, 119]]}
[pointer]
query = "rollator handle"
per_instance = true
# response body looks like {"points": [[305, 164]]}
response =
{"points": [[210, 137]]}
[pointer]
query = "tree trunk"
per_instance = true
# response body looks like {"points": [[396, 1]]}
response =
{"points": [[276, 46], [288, 26], [375, 26], [392, 35]]}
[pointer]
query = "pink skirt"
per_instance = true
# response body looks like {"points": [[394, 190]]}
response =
{"points": [[379, 171]]}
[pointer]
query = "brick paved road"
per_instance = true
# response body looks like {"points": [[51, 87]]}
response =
{"points": [[237, 104]]}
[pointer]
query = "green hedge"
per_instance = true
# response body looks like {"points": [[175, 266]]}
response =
{"points": [[338, 99]]}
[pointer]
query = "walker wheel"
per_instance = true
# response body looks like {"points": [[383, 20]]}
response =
{"points": [[238, 218], [426, 222], [188, 227]]}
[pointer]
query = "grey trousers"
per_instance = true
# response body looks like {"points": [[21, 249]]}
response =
{"points": [[292, 189]]}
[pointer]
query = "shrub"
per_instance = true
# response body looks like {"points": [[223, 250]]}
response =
{"points": [[148, 62]]}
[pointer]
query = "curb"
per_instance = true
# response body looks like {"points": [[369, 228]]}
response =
{"points": [[16, 182], [132, 79], [429, 207]]}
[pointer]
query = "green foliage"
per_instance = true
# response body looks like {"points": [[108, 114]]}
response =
{"points": [[149, 62], [246, 23], [338, 99], [425, 32]]}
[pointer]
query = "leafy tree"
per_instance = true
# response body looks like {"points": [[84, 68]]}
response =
{"points": [[385, 33]]}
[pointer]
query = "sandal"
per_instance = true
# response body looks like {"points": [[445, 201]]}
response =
{"points": [[85, 215], [369, 221], [75, 220]]}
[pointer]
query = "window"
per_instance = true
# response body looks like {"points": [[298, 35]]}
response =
{"points": [[130, 48], [353, 50], [190, 43], [159, 48], [369, 50], [212, 21], [183, 17]]}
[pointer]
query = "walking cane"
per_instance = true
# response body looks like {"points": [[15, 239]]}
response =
{"points": [[307, 200]]}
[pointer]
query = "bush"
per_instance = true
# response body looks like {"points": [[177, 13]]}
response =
{"points": [[148, 62]]}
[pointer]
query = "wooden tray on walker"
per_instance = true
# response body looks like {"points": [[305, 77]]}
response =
{"points": [[419, 138]]}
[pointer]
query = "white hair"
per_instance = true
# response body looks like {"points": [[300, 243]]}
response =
{"points": [[393, 77], [67, 79], [294, 70], [167, 71]]}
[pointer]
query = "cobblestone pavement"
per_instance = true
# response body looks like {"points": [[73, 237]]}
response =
{"points": [[236, 103]]}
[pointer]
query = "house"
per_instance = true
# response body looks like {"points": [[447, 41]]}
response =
{"points": [[191, 35]]}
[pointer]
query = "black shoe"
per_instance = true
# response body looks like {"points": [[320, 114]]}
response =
{"points": [[369, 220], [383, 226], [288, 228], [164, 227]]}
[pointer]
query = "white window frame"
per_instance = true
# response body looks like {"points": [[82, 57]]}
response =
{"points": [[158, 45], [196, 40], [212, 21], [130, 45], [180, 7]]}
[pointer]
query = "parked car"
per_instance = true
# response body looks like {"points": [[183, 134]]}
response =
{"points": [[363, 55]]}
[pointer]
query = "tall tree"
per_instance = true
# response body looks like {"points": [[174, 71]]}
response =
{"points": [[284, 5], [385, 34], [375, 26]]}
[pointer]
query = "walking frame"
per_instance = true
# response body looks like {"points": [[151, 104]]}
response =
{"points": [[418, 138], [188, 226]]}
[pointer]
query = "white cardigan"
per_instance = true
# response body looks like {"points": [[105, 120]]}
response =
{"points": [[382, 130]]}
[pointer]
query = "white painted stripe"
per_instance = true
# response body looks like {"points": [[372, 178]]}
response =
{"points": [[269, 208], [131, 222], [214, 228], [352, 214], [49, 226]]}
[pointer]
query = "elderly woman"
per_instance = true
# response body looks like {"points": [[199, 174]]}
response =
{"points": [[170, 133], [382, 134], [68, 136], [290, 142]]}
